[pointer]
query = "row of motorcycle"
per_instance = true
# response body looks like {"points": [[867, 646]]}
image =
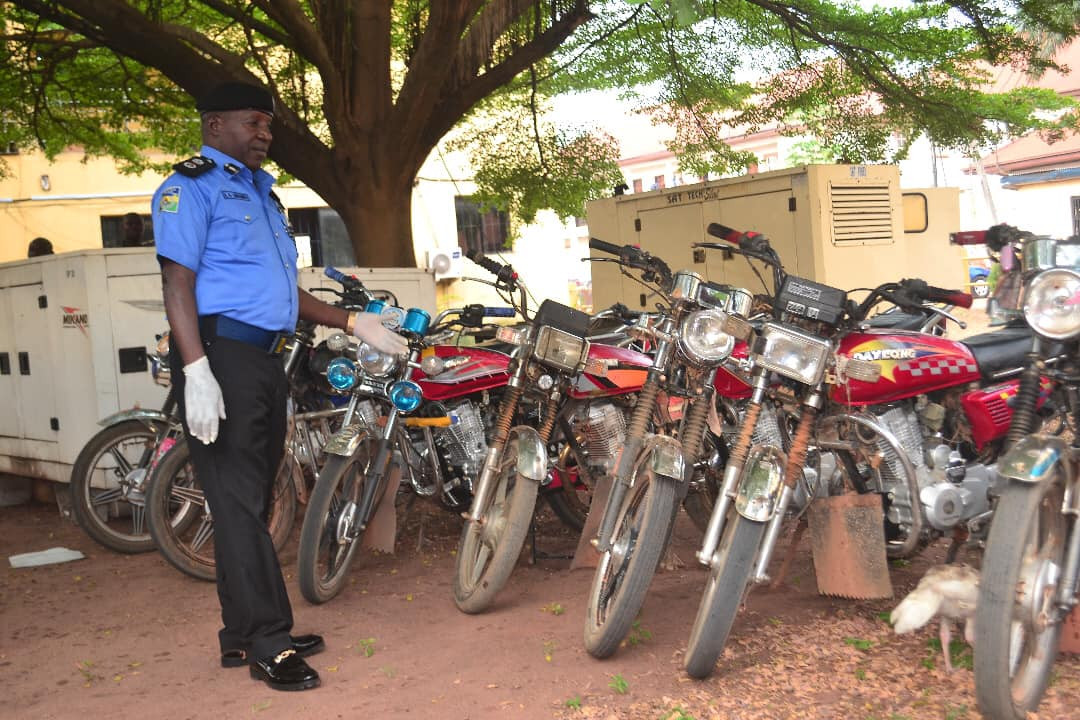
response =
{"points": [[743, 408]]}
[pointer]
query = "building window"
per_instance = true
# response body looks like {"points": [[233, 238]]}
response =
{"points": [[479, 229], [321, 239], [1075, 201], [637, 185], [112, 232], [658, 182]]}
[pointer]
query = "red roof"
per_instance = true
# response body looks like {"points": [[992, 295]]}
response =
{"points": [[1031, 152]]}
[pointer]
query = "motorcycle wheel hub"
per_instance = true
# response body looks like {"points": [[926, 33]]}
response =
{"points": [[494, 524], [1035, 591], [344, 531], [131, 486]]}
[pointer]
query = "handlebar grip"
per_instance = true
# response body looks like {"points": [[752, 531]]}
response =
{"points": [[602, 246], [723, 232], [334, 274], [968, 237], [506, 312], [952, 297], [749, 241], [502, 273]]}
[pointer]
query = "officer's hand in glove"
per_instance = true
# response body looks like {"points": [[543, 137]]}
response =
{"points": [[203, 402], [369, 328]]}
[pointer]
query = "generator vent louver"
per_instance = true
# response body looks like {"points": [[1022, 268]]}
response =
{"points": [[861, 214]]}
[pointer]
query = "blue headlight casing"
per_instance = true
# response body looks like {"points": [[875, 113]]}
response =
{"points": [[341, 373], [406, 395], [375, 306], [416, 321]]}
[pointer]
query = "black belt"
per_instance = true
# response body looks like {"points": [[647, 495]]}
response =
{"points": [[215, 326]]}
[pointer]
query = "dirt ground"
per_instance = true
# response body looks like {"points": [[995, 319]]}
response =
{"points": [[128, 636]]}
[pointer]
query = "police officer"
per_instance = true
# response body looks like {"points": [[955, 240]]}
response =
{"points": [[229, 281]]}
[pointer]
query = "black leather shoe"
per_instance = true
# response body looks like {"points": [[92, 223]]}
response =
{"points": [[285, 671], [304, 645]]}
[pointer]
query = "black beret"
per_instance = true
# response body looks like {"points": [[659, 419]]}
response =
{"points": [[236, 96]]}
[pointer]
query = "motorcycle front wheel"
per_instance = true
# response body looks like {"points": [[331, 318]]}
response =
{"points": [[1015, 639], [723, 594], [488, 551], [328, 538], [623, 575], [187, 541], [119, 457]]}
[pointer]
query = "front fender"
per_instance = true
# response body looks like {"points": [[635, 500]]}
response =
{"points": [[666, 457], [1036, 459], [345, 441], [531, 453], [761, 482], [146, 415]]}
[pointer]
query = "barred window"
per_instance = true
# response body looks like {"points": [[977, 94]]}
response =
{"points": [[479, 229]]}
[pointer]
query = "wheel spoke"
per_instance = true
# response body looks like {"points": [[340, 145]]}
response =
{"points": [[181, 495], [122, 463], [203, 534], [105, 497], [138, 519]]}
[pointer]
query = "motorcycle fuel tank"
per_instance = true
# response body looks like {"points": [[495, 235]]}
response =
{"points": [[610, 370], [730, 385], [911, 363], [468, 369]]}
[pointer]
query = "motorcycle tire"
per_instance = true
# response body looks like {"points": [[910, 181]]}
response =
{"points": [[625, 571], [487, 553], [1014, 660], [723, 594], [326, 550], [115, 517], [570, 501], [698, 505], [187, 541]]}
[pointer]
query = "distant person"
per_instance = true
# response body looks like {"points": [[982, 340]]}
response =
{"points": [[39, 246], [132, 227]]}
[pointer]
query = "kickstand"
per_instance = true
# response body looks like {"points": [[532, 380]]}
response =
{"points": [[538, 554]]}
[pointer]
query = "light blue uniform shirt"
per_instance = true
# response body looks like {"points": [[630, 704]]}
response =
{"points": [[225, 226]]}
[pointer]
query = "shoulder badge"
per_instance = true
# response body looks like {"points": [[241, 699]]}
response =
{"points": [[194, 167]]}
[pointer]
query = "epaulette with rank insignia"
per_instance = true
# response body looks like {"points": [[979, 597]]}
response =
{"points": [[195, 166]]}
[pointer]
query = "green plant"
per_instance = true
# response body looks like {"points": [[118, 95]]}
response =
{"points": [[554, 608], [574, 703], [959, 653], [618, 684], [956, 713], [388, 671], [549, 649], [366, 647], [884, 616], [859, 643], [860, 673], [638, 634], [677, 713]]}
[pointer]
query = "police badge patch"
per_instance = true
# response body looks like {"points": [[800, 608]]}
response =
{"points": [[170, 199]]}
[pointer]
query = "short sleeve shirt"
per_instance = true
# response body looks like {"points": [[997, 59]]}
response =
{"points": [[226, 226]]}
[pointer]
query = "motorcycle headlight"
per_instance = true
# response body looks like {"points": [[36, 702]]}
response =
{"points": [[341, 373], [791, 353], [702, 337], [406, 395], [1052, 303], [375, 362], [561, 349]]}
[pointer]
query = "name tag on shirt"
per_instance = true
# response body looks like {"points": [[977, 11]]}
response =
{"points": [[233, 195]]}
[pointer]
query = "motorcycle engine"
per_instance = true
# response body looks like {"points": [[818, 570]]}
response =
{"points": [[463, 443], [903, 423], [602, 428]]}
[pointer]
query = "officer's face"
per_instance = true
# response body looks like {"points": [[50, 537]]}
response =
{"points": [[242, 134]]}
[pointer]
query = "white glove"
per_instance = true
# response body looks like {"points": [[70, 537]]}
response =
{"points": [[203, 402], [369, 328]]}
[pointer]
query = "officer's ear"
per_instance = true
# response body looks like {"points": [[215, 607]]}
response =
{"points": [[211, 123]]}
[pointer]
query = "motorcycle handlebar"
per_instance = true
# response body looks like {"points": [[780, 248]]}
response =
{"points": [[503, 273], [749, 241], [349, 282], [653, 268], [924, 291]]}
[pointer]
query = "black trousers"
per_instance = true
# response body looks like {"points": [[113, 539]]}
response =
{"points": [[236, 473]]}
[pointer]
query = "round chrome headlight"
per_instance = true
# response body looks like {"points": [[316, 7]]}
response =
{"points": [[702, 337], [1052, 303], [341, 373], [375, 362]]}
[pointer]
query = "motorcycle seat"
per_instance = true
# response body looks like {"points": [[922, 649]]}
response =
{"points": [[897, 320], [1001, 350]]}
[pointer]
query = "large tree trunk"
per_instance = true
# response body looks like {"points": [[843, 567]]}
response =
{"points": [[380, 227]]}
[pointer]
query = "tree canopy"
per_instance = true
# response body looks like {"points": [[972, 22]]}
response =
{"points": [[366, 89]]}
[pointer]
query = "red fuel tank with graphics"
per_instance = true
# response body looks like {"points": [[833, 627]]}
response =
{"points": [[911, 363], [610, 370], [469, 369]]}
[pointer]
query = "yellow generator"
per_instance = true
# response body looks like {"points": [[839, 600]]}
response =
{"points": [[848, 226]]}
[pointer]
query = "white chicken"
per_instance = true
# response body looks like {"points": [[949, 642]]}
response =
{"points": [[946, 590]]}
